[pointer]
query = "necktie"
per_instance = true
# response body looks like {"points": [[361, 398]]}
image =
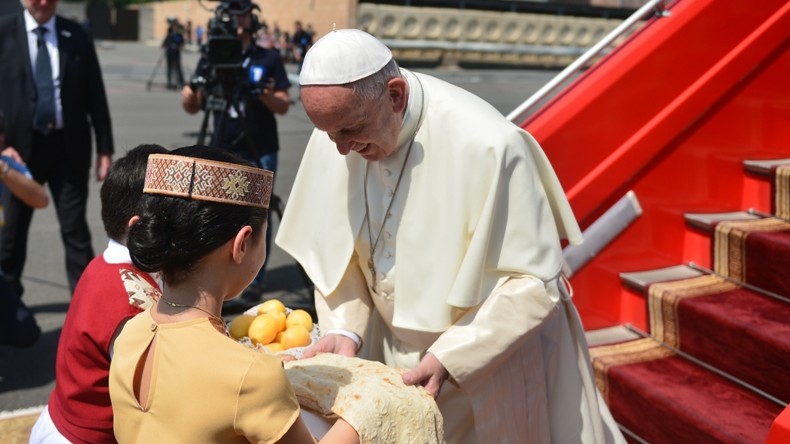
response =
{"points": [[44, 118]]}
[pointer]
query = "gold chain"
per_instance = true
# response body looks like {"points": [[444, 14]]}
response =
{"points": [[373, 244], [214, 319]]}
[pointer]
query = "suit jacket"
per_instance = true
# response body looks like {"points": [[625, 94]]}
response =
{"points": [[81, 91]]}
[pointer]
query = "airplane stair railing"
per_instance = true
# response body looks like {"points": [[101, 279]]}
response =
{"points": [[651, 8], [670, 117]]}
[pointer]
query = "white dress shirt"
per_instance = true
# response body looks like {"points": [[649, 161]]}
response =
{"points": [[51, 38]]}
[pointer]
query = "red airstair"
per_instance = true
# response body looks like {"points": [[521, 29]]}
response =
{"points": [[683, 115]]}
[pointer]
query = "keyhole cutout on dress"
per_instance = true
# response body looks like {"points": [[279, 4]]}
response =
{"points": [[142, 375]]}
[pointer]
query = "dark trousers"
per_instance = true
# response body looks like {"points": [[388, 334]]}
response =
{"points": [[50, 165], [18, 327], [175, 76]]}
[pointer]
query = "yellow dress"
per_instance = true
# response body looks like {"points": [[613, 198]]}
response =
{"points": [[205, 387]]}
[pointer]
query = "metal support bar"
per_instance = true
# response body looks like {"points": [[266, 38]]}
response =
{"points": [[601, 233], [745, 285], [504, 48], [765, 215], [631, 434]]}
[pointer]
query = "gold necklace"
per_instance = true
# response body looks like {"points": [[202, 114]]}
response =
{"points": [[373, 244], [214, 319]]}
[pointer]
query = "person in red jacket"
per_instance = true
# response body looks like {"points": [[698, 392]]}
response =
{"points": [[110, 291]]}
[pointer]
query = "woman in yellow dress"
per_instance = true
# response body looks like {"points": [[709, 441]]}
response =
{"points": [[175, 375]]}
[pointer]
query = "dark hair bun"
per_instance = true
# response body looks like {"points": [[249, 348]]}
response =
{"points": [[174, 233]]}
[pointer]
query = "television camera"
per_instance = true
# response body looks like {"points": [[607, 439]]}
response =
{"points": [[225, 79]]}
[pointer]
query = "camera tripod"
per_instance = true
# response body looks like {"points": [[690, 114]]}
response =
{"points": [[153, 73], [219, 106], [168, 73]]}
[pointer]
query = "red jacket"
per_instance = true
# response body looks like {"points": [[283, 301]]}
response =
{"points": [[106, 295]]}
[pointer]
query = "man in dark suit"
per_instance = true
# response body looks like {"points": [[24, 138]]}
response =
{"points": [[50, 86]]}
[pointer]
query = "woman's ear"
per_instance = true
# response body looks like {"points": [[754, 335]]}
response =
{"points": [[240, 244], [133, 220]]}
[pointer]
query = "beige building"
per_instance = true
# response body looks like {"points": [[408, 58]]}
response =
{"points": [[419, 34], [321, 14]]}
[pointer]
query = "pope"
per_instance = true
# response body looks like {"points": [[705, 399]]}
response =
{"points": [[431, 227]]}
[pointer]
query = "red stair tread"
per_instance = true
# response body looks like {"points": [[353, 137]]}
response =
{"points": [[756, 252], [768, 261], [672, 400], [741, 332]]}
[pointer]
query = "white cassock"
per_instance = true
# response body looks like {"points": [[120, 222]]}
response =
{"points": [[467, 267]]}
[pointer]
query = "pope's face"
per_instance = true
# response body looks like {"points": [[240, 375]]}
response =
{"points": [[369, 128], [41, 10]]}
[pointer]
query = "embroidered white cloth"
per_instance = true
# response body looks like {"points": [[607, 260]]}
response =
{"points": [[370, 396]]}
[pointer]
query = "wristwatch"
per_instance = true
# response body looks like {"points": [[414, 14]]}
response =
{"points": [[4, 169]]}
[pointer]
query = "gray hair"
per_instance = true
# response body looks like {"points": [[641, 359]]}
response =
{"points": [[371, 87]]}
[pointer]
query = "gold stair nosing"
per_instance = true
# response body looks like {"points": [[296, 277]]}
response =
{"points": [[665, 297], [782, 192], [637, 351], [730, 244]]}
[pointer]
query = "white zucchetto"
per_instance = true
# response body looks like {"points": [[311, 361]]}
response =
{"points": [[343, 56]]}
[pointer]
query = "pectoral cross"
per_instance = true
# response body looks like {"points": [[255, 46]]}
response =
{"points": [[372, 268]]}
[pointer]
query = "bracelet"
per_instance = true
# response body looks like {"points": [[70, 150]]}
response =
{"points": [[6, 169]]}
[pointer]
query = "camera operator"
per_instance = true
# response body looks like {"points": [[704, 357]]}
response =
{"points": [[173, 44], [254, 112]]}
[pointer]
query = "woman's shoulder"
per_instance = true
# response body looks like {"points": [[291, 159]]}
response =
{"points": [[140, 322], [265, 382], [265, 365], [247, 362]]}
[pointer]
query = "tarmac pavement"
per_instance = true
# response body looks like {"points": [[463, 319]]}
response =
{"points": [[155, 116]]}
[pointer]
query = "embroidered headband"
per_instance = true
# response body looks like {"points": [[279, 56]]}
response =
{"points": [[209, 180]]}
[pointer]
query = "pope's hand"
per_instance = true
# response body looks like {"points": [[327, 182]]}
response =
{"points": [[332, 343], [429, 373]]}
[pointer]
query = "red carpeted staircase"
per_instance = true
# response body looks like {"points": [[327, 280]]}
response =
{"points": [[715, 366]]}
